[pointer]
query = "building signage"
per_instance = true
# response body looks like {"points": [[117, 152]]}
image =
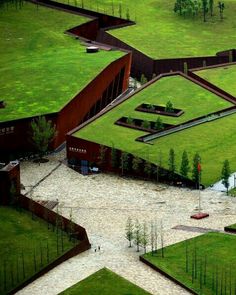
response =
{"points": [[6, 130], [77, 150]]}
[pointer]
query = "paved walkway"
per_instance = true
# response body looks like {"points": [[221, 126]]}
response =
{"points": [[102, 203]]}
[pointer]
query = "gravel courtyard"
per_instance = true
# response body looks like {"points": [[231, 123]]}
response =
{"points": [[102, 203]]}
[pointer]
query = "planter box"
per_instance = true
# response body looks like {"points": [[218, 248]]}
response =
{"points": [[159, 110], [137, 125]]}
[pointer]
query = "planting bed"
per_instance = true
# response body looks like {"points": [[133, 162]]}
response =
{"points": [[140, 124], [26, 246], [195, 101], [161, 110], [104, 282], [205, 264]]}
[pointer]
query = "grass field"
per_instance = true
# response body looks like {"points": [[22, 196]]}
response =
{"points": [[222, 77], [160, 33], [26, 246], [42, 68], [209, 260], [104, 282], [204, 139]]}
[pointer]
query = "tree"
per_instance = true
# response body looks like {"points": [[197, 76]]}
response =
{"points": [[171, 162], [130, 121], [184, 169], [112, 8], [143, 79], [204, 9], [114, 158], [195, 170], [144, 237], [221, 7], [169, 107], [43, 132], [137, 234], [146, 124], [158, 124], [129, 234], [211, 5], [127, 14], [136, 164], [186, 68], [102, 155], [120, 10], [148, 168], [225, 174], [124, 162]]}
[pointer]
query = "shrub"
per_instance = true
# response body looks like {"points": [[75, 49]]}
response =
{"points": [[146, 124]]}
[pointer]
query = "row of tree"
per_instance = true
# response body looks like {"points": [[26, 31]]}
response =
{"points": [[143, 235], [206, 274], [196, 7]]}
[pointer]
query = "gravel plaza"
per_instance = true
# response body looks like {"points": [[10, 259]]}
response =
{"points": [[102, 204]]}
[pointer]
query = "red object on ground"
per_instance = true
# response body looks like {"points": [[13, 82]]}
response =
{"points": [[199, 167], [200, 215]]}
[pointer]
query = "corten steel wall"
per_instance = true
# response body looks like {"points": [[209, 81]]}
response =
{"points": [[18, 139], [177, 64], [115, 76], [76, 110], [80, 149], [8, 175], [141, 63], [194, 74], [52, 217]]}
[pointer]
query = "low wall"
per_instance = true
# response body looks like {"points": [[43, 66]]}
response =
{"points": [[98, 30], [166, 275], [79, 149], [79, 233]]}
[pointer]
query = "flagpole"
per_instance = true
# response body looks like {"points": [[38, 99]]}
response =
{"points": [[199, 183], [199, 195]]}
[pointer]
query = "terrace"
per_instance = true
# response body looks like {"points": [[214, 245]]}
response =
{"points": [[162, 34], [223, 77], [43, 68], [194, 100]]}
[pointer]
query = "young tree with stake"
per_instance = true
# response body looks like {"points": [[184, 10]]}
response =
{"points": [[144, 237], [184, 168], [171, 163], [129, 234], [137, 234], [225, 174]]}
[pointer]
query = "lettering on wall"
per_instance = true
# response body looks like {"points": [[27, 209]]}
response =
{"points": [[77, 150], [7, 130]]}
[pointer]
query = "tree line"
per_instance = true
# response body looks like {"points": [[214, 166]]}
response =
{"points": [[142, 235], [198, 7]]}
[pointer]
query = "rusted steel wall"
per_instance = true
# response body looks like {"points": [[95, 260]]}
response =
{"points": [[111, 82]]}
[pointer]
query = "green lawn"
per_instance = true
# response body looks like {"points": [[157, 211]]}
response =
{"points": [[222, 77], [105, 282], [195, 101], [160, 33], [213, 268], [42, 68], [20, 239]]}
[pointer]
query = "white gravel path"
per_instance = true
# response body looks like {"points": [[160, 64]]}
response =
{"points": [[102, 203]]}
